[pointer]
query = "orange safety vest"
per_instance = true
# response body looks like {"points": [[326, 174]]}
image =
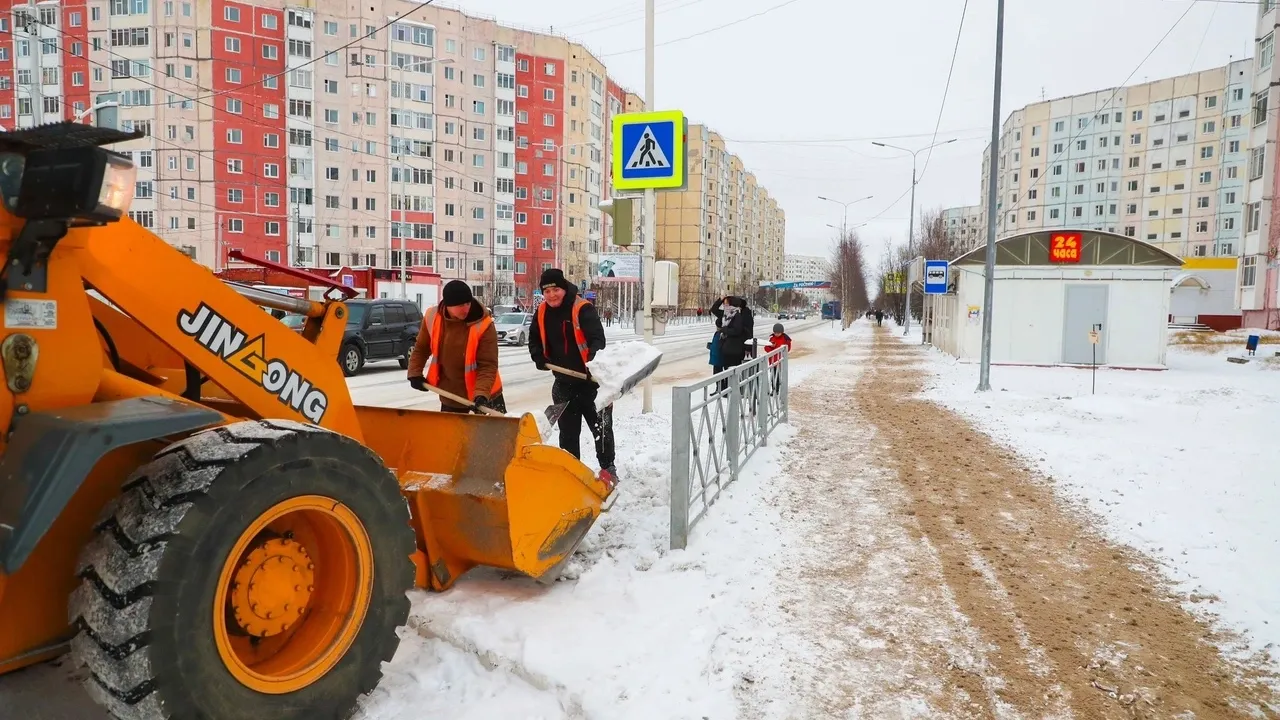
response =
{"points": [[579, 337], [469, 368]]}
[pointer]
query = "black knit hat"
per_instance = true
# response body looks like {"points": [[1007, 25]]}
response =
{"points": [[456, 293], [553, 277], [777, 329]]}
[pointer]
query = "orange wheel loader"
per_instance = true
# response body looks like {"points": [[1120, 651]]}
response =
{"points": [[190, 502]]}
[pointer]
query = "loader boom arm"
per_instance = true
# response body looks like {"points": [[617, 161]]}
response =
{"points": [[271, 370]]}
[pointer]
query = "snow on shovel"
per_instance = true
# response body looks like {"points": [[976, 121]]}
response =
{"points": [[616, 370]]}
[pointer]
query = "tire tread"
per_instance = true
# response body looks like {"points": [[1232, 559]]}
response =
{"points": [[119, 567]]}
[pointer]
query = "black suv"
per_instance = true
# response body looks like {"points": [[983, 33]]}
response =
{"points": [[378, 330]]}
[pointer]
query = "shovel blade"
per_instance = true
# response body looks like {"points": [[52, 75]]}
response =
{"points": [[638, 377]]}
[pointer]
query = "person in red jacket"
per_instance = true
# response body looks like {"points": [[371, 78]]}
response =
{"points": [[778, 339]]}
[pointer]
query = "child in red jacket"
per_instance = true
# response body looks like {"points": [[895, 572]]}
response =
{"points": [[778, 339]]}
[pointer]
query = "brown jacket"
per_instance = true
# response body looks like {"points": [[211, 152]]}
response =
{"points": [[453, 352]]}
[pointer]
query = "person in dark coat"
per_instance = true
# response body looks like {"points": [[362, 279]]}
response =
{"points": [[736, 329], [567, 333]]}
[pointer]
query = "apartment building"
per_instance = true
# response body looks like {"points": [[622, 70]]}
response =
{"points": [[725, 231], [964, 228], [1258, 291], [798, 268], [1165, 161], [392, 135]]}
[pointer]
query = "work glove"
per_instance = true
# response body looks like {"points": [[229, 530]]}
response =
{"points": [[540, 365], [419, 384], [480, 403]]}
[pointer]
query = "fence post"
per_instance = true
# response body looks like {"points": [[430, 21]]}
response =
{"points": [[681, 439], [785, 387], [764, 387], [733, 424]]}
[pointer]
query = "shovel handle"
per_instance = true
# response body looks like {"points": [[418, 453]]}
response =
{"points": [[570, 373], [461, 400]]}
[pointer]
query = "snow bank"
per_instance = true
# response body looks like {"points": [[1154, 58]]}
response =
{"points": [[615, 364], [635, 630], [430, 678], [1180, 464]]}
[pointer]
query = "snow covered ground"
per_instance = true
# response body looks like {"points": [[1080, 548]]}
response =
{"points": [[633, 630], [1180, 464]]}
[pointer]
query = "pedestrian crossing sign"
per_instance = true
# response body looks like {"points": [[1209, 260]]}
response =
{"points": [[649, 151]]}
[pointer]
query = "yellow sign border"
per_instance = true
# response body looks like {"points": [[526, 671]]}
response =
{"points": [[677, 179]]}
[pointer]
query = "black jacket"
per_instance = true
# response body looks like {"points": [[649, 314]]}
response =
{"points": [[560, 348], [736, 332]]}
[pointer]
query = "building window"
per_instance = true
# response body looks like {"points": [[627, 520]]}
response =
{"points": [[1249, 271]]}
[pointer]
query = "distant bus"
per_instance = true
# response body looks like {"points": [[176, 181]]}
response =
{"points": [[831, 310]]}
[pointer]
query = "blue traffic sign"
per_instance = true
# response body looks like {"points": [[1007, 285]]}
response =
{"points": [[649, 151], [935, 277]]}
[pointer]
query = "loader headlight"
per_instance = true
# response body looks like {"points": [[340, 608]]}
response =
{"points": [[86, 184]]}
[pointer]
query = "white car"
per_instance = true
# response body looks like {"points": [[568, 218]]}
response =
{"points": [[513, 328]]}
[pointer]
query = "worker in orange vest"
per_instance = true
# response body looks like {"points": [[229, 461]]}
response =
{"points": [[568, 334], [458, 346]]}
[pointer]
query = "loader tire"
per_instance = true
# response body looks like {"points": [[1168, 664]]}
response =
{"points": [[165, 625]]}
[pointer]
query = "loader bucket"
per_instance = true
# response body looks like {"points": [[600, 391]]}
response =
{"points": [[483, 490]]}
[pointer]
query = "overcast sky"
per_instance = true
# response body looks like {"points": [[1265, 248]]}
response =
{"points": [[852, 71]]}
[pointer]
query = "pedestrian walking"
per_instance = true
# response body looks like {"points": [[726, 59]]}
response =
{"points": [[458, 347], [569, 335]]}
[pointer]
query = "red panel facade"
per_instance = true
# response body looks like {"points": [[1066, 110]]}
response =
{"points": [[249, 136], [613, 94], [74, 51], [8, 93], [537, 194]]}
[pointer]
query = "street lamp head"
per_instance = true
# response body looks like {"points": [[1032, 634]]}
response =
{"points": [[878, 143]]}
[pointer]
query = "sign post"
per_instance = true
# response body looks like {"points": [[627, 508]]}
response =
{"points": [[649, 154], [1093, 342], [936, 279]]}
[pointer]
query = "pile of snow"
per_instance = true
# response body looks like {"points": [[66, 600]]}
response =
{"points": [[1178, 463], [616, 364], [633, 629]]}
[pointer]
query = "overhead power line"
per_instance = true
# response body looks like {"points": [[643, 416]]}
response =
{"points": [[943, 106], [708, 31]]}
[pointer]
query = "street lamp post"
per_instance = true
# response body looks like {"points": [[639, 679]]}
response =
{"points": [[100, 106], [404, 168], [911, 222], [844, 228]]}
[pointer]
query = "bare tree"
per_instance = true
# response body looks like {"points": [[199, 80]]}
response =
{"points": [[848, 276]]}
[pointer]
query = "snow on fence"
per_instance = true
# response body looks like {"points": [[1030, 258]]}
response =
{"points": [[716, 426]]}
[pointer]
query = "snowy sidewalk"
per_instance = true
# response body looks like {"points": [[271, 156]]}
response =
{"points": [[881, 558]]}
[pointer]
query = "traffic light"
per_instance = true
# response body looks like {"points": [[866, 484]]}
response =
{"points": [[620, 212]]}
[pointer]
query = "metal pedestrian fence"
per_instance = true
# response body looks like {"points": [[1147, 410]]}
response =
{"points": [[717, 424]]}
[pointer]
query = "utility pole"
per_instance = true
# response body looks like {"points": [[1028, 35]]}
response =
{"points": [[404, 169], [650, 205], [988, 292], [295, 238]]}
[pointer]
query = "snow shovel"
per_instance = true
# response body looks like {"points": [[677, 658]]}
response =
{"points": [[461, 400], [626, 385], [552, 419]]}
